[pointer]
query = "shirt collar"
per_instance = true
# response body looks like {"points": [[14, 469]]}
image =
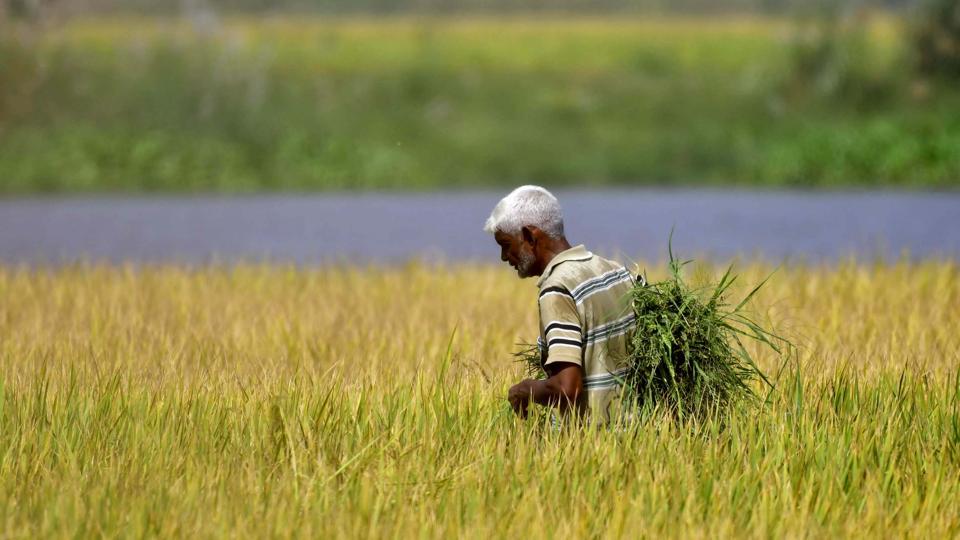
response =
{"points": [[576, 253]]}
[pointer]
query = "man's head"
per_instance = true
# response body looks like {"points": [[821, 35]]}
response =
{"points": [[528, 226]]}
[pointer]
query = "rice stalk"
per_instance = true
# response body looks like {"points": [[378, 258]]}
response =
{"points": [[688, 352]]}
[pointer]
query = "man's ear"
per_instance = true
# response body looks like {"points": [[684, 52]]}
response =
{"points": [[528, 234]]}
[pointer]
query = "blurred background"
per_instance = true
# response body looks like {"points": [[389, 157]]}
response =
{"points": [[132, 97]]}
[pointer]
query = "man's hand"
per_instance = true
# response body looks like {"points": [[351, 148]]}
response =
{"points": [[519, 397], [562, 388]]}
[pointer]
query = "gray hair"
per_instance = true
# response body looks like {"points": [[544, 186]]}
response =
{"points": [[524, 206]]}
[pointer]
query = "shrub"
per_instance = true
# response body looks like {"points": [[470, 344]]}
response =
{"points": [[936, 38]]}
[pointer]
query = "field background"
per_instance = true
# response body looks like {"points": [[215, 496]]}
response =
{"points": [[348, 402], [368, 401], [412, 99]]}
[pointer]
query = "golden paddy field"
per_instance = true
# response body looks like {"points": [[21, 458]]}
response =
{"points": [[271, 401]]}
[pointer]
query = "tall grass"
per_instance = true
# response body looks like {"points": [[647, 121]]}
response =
{"points": [[312, 104], [345, 402]]}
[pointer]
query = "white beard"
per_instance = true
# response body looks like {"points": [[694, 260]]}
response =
{"points": [[525, 265]]}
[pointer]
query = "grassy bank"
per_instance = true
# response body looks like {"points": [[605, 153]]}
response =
{"points": [[273, 401], [331, 104]]}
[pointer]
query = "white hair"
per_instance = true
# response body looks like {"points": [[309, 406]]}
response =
{"points": [[525, 206]]}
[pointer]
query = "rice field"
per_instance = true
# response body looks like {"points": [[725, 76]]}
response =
{"points": [[273, 401], [276, 401]]}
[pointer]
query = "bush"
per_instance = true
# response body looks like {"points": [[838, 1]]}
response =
{"points": [[936, 38], [832, 56]]}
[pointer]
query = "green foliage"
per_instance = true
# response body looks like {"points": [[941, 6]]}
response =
{"points": [[150, 106], [936, 38], [530, 358], [688, 353], [832, 57]]}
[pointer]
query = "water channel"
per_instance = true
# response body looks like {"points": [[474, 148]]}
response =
{"points": [[382, 228]]}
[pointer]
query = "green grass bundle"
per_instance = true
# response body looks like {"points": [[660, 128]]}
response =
{"points": [[688, 354], [688, 347]]}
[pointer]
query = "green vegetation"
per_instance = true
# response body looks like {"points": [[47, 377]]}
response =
{"points": [[688, 352], [276, 401], [334, 104], [936, 38]]}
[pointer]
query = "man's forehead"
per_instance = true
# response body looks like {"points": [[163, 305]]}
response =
{"points": [[502, 237]]}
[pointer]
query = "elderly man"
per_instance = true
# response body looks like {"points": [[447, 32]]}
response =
{"points": [[585, 313]]}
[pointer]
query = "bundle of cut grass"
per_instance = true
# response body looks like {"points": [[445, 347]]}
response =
{"points": [[688, 354]]}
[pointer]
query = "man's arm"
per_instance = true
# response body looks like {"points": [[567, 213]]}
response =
{"points": [[562, 388]]}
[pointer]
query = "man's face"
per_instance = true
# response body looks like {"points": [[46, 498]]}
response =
{"points": [[517, 252]]}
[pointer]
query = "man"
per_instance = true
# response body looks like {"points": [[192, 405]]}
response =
{"points": [[586, 318]]}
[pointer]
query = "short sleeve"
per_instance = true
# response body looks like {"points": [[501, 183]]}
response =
{"points": [[560, 327]]}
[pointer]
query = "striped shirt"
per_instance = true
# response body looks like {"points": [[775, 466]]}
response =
{"points": [[586, 318]]}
